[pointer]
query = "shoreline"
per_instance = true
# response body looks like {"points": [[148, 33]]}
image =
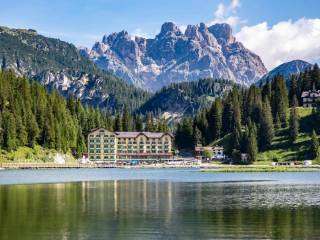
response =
{"points": [[202, 167]]}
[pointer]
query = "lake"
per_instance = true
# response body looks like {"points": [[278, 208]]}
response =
{"points": [[158, 204]]}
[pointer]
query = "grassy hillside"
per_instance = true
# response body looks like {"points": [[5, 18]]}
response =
{"points": [[281, 149]]}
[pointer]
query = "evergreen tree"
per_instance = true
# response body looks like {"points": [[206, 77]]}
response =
{"points": [[150, 127], [227, 116], [138, 123], [266, 129], [279, 100], [197, 136], [184, 134], [315, 148], [201, 123], [252, 147], [9, 131], [236, 138], [294, 91], [266, 90], [253, 105], [22, 135], [215, 120], [126, 120], [315, 75], [81, 144], [293, 125], [118, 123]]}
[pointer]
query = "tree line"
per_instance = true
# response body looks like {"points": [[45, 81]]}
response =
{"points": [[246, 119], [31, 115]]}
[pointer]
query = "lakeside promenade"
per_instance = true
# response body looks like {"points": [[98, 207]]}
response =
{"points": [[207, 167]]}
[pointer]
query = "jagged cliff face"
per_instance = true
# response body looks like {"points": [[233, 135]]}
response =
{"points": [[174, 56]]}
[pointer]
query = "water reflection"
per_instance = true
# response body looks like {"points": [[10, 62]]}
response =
{"points": [[159, 210]]}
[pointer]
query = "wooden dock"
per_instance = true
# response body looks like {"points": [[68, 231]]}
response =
{"points": [[52, 165]]}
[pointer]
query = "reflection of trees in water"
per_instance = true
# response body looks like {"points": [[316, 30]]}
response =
{"points": [[115, 209]]}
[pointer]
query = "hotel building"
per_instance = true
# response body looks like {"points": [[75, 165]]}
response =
{"points": [[310, 98], [104, 145]]}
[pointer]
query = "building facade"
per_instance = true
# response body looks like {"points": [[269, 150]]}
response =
{"points": [[216, 151], [310, 98], [104, 145]]}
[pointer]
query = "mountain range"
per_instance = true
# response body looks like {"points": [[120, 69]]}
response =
{"points": [[59, 65], [207, 51], [176, 56]]}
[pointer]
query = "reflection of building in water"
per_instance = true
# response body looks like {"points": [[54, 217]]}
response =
{"points": [[104, 145]]}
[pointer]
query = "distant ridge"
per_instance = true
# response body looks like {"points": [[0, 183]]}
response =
{"points": [[286, 70]]}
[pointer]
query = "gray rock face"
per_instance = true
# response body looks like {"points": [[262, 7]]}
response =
{"points": [[174, 56]]}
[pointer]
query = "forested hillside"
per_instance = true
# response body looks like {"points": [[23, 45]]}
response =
{"points": [[186, 98], [59, 65], [248, 120], [30, 116]]}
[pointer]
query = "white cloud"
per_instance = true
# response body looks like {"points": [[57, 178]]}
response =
{"points": [[284, 41], [227, 14]]}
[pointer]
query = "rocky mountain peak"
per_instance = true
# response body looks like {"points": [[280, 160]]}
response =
{"points": [[169, 28], [173, 56], [223, 32]]}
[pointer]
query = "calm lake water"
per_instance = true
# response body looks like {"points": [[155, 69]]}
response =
{"points": [[158, 204]]}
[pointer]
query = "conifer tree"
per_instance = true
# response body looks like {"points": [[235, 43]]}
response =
{"points": [[266, 129], [279, 100], [118, 123], [236, 138], [315, 75], [150, 126], [252, 147], [138, 123], [197, 136], [266, 90], [215, 119], [184, 135], [227, 116], [126, 120], [293, 125], [9, 131], [315, 148], [293, 92]]}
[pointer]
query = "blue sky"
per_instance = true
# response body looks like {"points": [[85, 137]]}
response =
{"points": [[83, 22]]}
